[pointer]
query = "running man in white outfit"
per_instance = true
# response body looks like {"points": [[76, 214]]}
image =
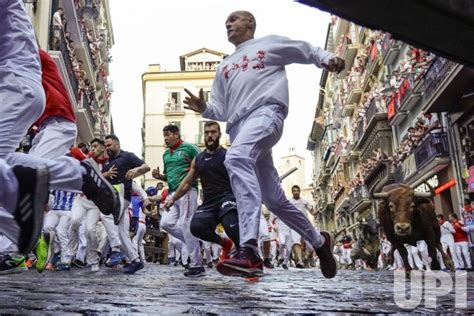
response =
{"points": [[250, 93], [24, 179]]}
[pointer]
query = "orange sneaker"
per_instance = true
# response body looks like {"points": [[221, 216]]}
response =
{"points": [[30, 263]]}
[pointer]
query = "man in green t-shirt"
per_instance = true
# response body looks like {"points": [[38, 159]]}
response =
{"points": [[177, 219]]}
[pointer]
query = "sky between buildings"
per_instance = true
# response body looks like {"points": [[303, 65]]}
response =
{"points": [[158, 32]]}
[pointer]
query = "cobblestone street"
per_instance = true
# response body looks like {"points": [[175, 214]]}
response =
{"points": [[163, 289]]}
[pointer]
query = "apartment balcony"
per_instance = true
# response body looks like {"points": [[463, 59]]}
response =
{"points": [[412, 96], [432, 147], [348, 110], [348, 53], [173, 109], [372, 66], [355, 90], [341, 29], [73, 21], [373, 123], [380, 175], [444, 84], [359, 199], [341, 200], [390, 49], [431, 156], [86, 121], [329, 156]]}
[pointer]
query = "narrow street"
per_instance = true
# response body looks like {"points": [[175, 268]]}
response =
{"points": [[163, 289]]}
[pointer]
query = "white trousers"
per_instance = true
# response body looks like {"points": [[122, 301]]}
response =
{"points": [[58, 221], [346, 256], [254, 178], [177, 223], [462, 250], [138, 241], [124, 233], [286, 244], [447, 241]]}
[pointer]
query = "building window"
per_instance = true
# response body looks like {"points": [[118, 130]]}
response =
{"points": [[174, 102], [176, 123], [207, 96]]}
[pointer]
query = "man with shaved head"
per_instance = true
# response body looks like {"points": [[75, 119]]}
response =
{"points": [[250, 93]]}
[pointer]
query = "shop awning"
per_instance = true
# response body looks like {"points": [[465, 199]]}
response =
{"points": [[444, 27]]}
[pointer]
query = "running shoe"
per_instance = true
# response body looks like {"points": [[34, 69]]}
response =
{"points": [[267, 263], [210, 265], [226, 248], [245, 263], [63, 267], [115, 259], [326, 259], [96, 188], [299, 265], [12, 264], [30, 263], [76, 263], [195, 272], [33, 197], [284, 266], [44, 250], [95, 267], [133, 267]]}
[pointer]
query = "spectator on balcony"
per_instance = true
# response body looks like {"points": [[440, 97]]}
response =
{"points": [[57, 28]]}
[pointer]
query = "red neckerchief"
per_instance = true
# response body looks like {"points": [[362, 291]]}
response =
{"points": [[441, 222], [101, 160], [172, 149]]}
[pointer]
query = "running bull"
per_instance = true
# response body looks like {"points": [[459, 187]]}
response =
{"points": [[367, 247], [407, 216]]}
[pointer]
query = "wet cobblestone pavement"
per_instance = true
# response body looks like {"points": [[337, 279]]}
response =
{"points": [[163, 289]]}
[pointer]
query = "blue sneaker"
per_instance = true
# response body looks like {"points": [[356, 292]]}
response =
{"points": [[56, 260], [133, 267], [116, 258], [63, 267]]}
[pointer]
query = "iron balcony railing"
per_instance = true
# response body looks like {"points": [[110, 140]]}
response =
{"points": [[358, 194], [433, 146], [439, 70], [173, 107], [67, 61]]}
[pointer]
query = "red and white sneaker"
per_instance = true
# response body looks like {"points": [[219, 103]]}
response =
{"points": [[245, 263], [226, 248]]}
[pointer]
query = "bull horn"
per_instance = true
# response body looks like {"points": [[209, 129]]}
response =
{"points": [[380, 195], [432, 191], [426, 195]]}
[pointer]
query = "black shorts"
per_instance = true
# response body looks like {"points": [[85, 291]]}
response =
{"points": [[221, 207]]}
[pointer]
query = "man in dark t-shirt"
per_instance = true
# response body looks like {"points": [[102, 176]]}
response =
{"points": [[218, 204], [121, 168]]}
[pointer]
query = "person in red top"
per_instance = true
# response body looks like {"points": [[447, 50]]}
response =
{"points": [[461, 241], [57, 129]]}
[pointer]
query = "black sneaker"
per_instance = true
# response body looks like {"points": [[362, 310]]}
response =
{"points": [[267, 263], [195, 272], [299, 266], [33, 197], [284, 266], [12, 264], [246, 262], [326, 259], [100, 191], [76, 263]]}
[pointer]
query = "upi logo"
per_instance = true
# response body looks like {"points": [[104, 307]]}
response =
{"points": [[432, 285]]}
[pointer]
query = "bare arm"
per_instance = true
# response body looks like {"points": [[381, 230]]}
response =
{"points": [[138, 171], [184, 186]]}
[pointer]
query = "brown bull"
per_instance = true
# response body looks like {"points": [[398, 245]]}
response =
{"points": [[407, 216]]}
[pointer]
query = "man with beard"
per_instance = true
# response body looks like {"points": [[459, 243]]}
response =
{"points": [[127, 166], [177, 219], [218, 204]]}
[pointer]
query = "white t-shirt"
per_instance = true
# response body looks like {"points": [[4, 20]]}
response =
{"points": [[255, 76]]}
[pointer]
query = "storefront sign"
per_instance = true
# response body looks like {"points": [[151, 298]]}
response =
{"points": [[433, 182]]}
